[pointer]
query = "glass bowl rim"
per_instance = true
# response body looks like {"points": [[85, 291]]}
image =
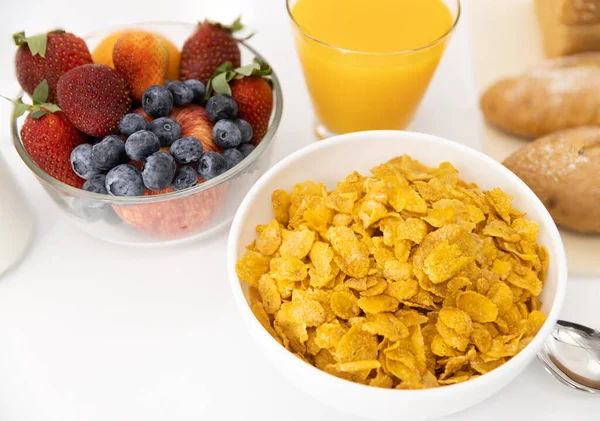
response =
{"points": [[379, 53], [135, 200]]}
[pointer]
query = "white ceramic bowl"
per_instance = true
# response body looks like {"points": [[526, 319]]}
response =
{"points": [[330, 161]]}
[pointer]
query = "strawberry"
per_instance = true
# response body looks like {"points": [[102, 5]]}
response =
{"points": [[94, 97], [48, 137], [47, 57], [209, 47], [142, 58], [254, 97], [251, 89]]}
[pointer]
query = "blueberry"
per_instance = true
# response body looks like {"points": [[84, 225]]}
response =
{"points": [[198, 89], [221, 106], [125, 180], [232, 158], [211, 164], [109, 153], [131, 123], [246, 130], [81, 161], [182, 93], [246, 149], [92, 140], [166, 129], [96, 184], [185, 177], [226, 134], [157, 101], [186, 150], [141, 145], [158, 171]]}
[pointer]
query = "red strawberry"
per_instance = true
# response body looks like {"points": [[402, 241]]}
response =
{"points": [[209, 47], [254, 97], [94, 97], [49, 140], [251, 89], [48, 56]]}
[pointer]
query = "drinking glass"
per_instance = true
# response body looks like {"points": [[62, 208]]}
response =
{"points": [[355, 90]]}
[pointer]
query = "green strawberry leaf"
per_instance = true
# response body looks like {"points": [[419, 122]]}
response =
{"points": [[236, 25], [37, 44], [256, 68], [264, 67], [227, 69], [38, 114], [20, 108], [248, 69], [19, 38], [220, 84], [53, 108], [40, 93]]}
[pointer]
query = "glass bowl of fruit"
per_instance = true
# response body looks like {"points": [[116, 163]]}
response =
{"points": [[149, 134]]}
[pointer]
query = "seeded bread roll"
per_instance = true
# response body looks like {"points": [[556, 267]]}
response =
{"points": [[569, 26], [563, 170]]}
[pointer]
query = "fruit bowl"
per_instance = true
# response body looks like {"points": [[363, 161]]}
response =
{"points": [[166, 218]]}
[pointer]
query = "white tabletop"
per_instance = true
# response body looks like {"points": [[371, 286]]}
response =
{"points": [[93, 331]]}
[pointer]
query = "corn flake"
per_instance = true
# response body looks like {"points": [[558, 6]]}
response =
{"points": [[251, 267], [480, 308], [344, 305], [297, 243], [269, 239], [350, 254], [269, 293]]}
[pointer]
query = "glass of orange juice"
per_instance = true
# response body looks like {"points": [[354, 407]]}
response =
{"points": [[368, 63]]}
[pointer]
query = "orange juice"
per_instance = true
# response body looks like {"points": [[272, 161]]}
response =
{"points": [[367, 63]]}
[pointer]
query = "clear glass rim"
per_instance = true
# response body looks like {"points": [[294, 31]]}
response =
{"points": [[391, 53], [136, 200]]}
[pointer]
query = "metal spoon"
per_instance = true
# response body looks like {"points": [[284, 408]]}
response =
{"points": [[572, 355]]}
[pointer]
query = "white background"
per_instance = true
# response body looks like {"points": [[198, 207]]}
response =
{"points": [[95, 332]]}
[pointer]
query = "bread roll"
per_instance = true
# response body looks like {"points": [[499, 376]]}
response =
{"points": [[563, 170], [544, 100]]}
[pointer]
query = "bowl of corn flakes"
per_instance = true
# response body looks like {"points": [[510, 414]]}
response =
{"points": [[394, 274]]}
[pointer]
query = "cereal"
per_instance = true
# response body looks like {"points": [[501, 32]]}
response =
{"points": [[408, 279], [269, 239], [251, 267], [269, 294], [281, 206], [350, 254], [479, 307], [344, 305], [378, 304], [297, 243]]}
